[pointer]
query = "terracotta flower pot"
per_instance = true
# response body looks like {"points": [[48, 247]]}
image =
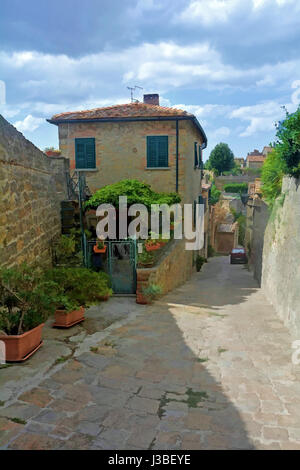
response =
{"points": [[99, 250], [141, 299], [152, 247], [66, 320], [51, 153], [104, 298], [145, 265], [20, 347]]}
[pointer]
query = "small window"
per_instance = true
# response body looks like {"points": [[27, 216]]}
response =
{"points": [[157, 151], [195, 155], [85, 155]]}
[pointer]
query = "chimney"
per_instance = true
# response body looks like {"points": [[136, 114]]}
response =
{"points": [[152, 99]]}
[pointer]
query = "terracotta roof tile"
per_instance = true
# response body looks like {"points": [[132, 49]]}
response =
{"points": [[256, 158], [130, 110]]}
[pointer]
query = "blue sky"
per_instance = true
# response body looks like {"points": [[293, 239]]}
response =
{"points": [[233, 63]]}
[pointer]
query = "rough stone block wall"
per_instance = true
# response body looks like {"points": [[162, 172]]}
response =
{"points": [[220, 181], [31, 188], [175, 268], [281, 256], [257, 218]]}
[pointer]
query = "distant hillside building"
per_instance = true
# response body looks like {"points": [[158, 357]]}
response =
{"points": [[255, 159]]}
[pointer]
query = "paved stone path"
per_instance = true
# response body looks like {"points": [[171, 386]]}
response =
{"points": [[206, 367]]}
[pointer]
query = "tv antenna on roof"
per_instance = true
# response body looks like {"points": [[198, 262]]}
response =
{"points": [[132, 89]]}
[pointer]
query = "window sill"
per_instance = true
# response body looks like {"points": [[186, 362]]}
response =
{"points": [[158, 168], [86, 169]]}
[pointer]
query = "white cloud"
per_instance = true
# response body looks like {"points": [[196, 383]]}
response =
{"points": [[157, 67], [29, 124], [263, 116], [210, 12]]}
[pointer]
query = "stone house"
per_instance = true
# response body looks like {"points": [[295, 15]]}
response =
{"points": [[158, 145], [255, 159]]}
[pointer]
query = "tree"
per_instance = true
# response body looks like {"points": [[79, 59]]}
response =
{"points": [[288, 143], [271, 176], [221, 158]]}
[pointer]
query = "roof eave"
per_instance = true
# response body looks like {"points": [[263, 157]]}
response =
{"points": [[132, 119]]}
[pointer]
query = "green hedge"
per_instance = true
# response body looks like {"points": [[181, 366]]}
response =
{"points": [[236, 188]]}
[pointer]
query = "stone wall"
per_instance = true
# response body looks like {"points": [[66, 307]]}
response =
{"points": [[174, 268], [281, 256], [220, 181], [257, 217], [31, 188]]}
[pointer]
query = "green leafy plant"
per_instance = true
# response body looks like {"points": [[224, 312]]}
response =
{"points": [[136, 192], [215, 195], [79, 286], [152, 292], [200, 260], [100, 245], [288, 143], [271, 176], [221, 159], [145, 258], [26, 298], [236, 188], [241, 220], [210, 251]]}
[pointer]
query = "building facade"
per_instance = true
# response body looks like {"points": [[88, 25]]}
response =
{"points": [[157, 145]]}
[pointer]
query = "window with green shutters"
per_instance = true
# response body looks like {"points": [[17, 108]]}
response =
{"points": [[157, 151], [196, 156], [85, 155]]}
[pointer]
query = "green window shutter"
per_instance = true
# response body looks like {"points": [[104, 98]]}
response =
{"points": [[90, 153], [157, 151], [151, 152], [85, 155], [200, 158], [196, 156]]}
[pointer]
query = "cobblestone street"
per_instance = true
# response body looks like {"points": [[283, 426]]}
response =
{"points": [[206, 367]]}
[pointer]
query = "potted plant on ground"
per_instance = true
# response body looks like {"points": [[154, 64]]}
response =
{"points": [[151, 292], [26, 301], [100, 247], [200, 260], [80, 287]]}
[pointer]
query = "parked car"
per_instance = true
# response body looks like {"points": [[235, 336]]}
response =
{"points": [[238, 255]]}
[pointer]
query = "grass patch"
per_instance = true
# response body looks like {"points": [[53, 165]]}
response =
{"points": [[221, 350], [2, 403], [215, 314], [5, 366], [163, 402], [61, 359], [18, 420], [195, 397], [94, 349], [202, 359]]}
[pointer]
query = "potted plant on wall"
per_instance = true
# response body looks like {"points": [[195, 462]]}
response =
{"points": [[26, 301], [79, 288], [145, 259], [152, 245], [100, 247]]}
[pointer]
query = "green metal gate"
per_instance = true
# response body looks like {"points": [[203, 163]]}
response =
{"points": [[119, 262]]}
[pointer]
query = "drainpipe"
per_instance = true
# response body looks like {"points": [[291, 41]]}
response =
{"points": [[177, 154]]}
